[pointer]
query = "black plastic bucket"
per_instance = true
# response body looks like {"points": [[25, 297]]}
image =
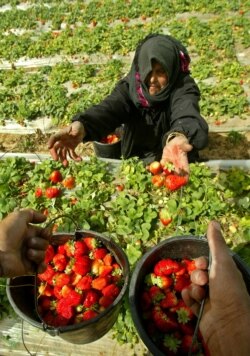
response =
{"points": [[175, 248], [107, 150], [21, 293]]}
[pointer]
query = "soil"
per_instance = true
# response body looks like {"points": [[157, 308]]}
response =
{"points": [[221, 145]]}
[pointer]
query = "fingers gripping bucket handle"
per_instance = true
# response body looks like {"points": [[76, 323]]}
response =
{"points": [[24, 300]]}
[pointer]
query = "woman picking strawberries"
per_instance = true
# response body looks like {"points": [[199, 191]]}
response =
{"points": [[157, 104]]}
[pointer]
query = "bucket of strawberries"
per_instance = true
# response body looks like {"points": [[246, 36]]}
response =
{"points": [[79, 295], [110, 145], [163, 321]]}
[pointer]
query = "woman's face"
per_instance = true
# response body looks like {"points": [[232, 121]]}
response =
{"points": [[157, 78]]}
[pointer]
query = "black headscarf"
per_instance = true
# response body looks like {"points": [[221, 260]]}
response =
{"points": [[173, 57]]}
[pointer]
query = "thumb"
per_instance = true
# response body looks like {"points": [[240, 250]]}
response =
{"points": [[217, 244]]}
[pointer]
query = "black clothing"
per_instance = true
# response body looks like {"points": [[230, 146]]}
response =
{"points": [[148, 120]]}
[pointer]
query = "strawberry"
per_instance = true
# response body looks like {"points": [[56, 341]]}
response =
{"points": [[171, 343], [84, 283], [175, 181], [158, 180], [181, 282], [61, 249], [160, 281], [117, 273], [65, 291], [91, 242], [166, 267], [64, 309], [165, 217], [167, 168], [69, 182], [99, 253], [44, 303], [184, 313], [105, 270], [60, 262], [111, 291], [169, 301], [100, 282], [73, 298], [52, 192], [108, 259], [156, 294], [80, 248], [187, 328], [38, 192], [45, 289], [49, 254], [189, 264], [47, 275], [91, 298], [186, 344], [61, 279], [69, 248], [95, 267], [82, 265], [55, 177], [105, 301], [164, 322], [155, 167], [75, 278], [89, 314]]}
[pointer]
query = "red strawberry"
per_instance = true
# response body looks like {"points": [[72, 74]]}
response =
{"points": [[174, 181], [60, 262], [187, 328], [61, 279], [165, 323], [99, 253], [61, 249], [91, 242], [64, 309], [105, 301], [84, 283], [80, 248], [184, 314], [46, 290], [38, 192], [69, 248], [165, 217], [166, 267], [181, 282], [44, 303], [49, 254], [65, 291], [95, 267], [171, 344], [108, 259], [75, 278], [82, 265], [69, 182], [105, 270], [56, 177], [89, 314], [117, 273], [111, 290], [155, 167], [91, 298], [52, 192], [74, 298], [158, 180], [169, 301], [189, 264], [100, 282], [186, 344], [47, 275], [156, 294], [160, 281]]}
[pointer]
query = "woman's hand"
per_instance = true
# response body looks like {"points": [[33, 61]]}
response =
{"points": [[175, 152], [225, 323], [23, 245], [64, 142]]}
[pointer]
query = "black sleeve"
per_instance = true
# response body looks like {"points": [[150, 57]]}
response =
{"points": [[102, 119], [185, 112]]}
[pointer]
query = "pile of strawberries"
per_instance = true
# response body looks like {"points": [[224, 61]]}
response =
{"points": [[168, 321], [164, 175], [81, 280], [112, 138]]}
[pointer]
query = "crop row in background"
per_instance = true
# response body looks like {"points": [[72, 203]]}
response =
{"points": [[94, 42]]}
